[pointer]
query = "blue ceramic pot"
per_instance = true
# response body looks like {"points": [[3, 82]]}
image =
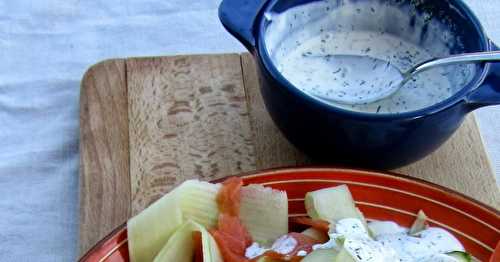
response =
{"points": [[334, 135]]}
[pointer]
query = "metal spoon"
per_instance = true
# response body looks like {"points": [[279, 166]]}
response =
{"points": [[376, 79]]}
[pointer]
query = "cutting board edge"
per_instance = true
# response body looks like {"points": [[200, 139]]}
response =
{"points": [[105, 71]]}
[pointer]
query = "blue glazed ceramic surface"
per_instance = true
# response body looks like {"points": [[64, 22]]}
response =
{"points": [[336, 135]]}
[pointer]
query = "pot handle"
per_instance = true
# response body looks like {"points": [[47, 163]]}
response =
{"points": [[238, 17], [489, 92]]}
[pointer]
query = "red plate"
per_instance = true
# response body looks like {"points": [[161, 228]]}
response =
{"points": [[381, 196]]}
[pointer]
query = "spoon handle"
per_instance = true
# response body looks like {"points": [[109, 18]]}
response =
{"points": [[492, 56]]}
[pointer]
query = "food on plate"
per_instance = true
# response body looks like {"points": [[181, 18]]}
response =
{"points": [[229, 222], [149, 231], [419, 223]]}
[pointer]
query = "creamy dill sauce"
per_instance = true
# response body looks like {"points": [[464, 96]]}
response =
{"points": [[305, 40], [430, 243], [388, 242], [391, 242]]}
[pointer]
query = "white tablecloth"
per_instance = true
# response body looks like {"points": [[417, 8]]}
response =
{"points": [[45, 47]]}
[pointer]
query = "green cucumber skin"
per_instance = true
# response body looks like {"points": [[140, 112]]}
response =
{"points": [[461, 256]]}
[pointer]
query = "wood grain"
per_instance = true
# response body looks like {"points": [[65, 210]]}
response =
{"points": [[271, 147], [104, 163], [147, 124], [188, 119], [460, 164]]}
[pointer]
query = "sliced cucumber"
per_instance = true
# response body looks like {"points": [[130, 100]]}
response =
{"points": [[150, 230], [461, 256], [180, 246], [331, 204], [321, 255], [211, 252], [198, 202], [419, 224], [263, 211]]}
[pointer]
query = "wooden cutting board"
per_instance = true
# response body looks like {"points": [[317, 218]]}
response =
{"points": [[147, 124]]}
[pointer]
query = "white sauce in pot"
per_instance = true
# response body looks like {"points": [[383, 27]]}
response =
{"points": [[303, 42]]}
